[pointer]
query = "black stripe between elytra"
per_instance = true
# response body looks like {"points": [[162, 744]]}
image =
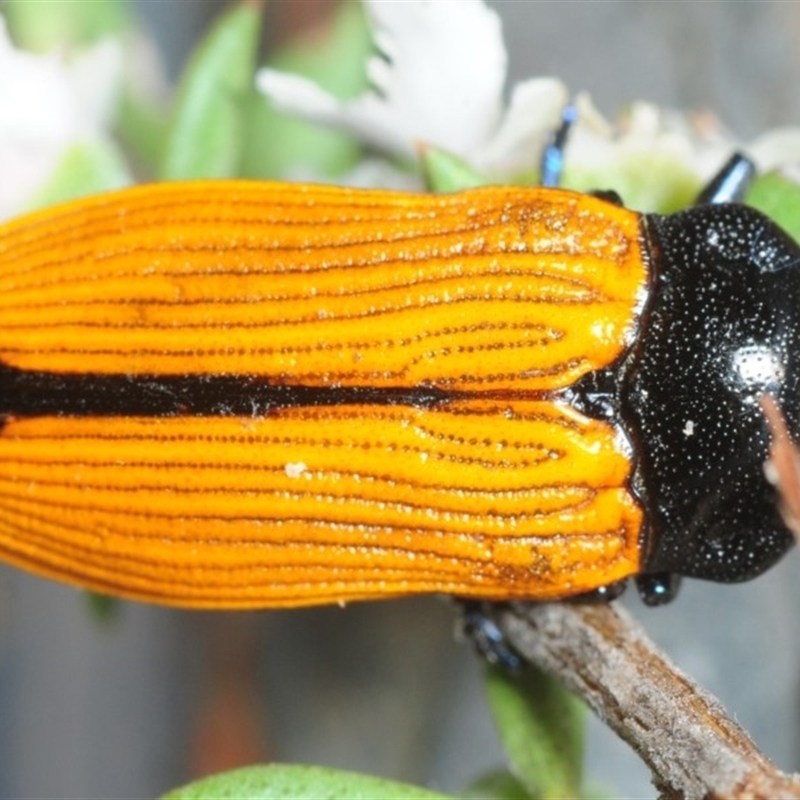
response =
{"points": [[30, 393]]}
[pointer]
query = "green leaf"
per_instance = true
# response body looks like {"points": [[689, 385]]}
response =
{"points": [[141, 127], [103, 608], [84, 169], [444, 172], [45, 24], [296, 782], [541, 726], [279, 145], [205, 136], [498, 785], [779, 198], [647, 183]]}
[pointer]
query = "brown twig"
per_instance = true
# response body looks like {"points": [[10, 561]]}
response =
{"points": [[680, 731], [783, 466]]}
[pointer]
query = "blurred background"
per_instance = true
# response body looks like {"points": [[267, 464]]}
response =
{"points": [[150, 698]]}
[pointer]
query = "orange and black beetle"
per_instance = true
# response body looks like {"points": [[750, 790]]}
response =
{"points": [[232, 394]]}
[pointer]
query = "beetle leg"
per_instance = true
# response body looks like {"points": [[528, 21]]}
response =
{"points": [[609, 195], [657, 588], [477, 625], [731, 183], [552, 164], [611, 591]]}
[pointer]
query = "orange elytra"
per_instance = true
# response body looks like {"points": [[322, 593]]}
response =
{"points": [[236, 394]]}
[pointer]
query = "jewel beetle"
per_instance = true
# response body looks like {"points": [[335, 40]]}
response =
{"points": [[239, 394]]}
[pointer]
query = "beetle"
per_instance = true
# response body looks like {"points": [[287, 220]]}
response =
{"points": [[232, 394]]}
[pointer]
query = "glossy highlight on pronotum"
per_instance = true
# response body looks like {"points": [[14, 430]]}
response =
{"points": [[239, 394]]}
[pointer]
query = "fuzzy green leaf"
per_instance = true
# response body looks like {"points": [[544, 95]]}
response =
{"points": [[541, 726], [142, 127], [498, 785], [205, 136], [278, 144], [779, 198], [46, 24], [296, 782], [645, 183], [84, 169], [444, 172]]}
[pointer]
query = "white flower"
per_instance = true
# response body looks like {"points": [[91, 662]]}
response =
{"points": [[439, 81], [777, 149], [47, 104], [654, 158], [658, 159]]}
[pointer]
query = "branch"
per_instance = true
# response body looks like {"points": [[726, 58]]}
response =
{"points": [[680, 731]]}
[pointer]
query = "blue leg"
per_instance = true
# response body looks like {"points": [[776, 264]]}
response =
{"points": [[731, 183], [478, 626], [552, 165]]}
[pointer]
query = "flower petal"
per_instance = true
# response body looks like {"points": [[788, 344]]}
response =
{"points": [[48, 104], [367, 118], [775, 149], [439, 80], [656, 160], [533, 113]]}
